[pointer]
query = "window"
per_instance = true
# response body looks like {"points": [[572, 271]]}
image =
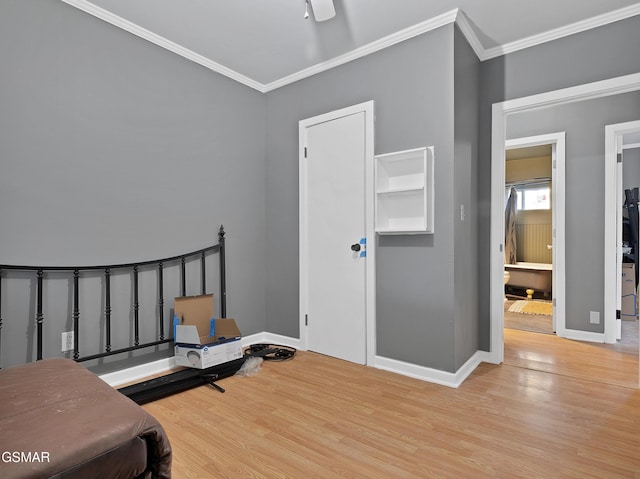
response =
{"points": [[533, 196]]}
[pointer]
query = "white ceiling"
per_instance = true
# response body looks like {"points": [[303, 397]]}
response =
{"points": [[265, 43]]}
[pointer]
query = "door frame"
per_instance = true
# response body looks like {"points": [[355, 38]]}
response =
{"points": [[613, 226], [557, 142], [370, 275], [500, 113]]}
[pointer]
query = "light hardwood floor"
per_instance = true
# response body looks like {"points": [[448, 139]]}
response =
{"points": [[316, 416], [615, 364]]}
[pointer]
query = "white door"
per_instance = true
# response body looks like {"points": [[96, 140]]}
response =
{"points": [[333, 213]]}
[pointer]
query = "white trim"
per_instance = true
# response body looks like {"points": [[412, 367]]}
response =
{"points": [[394, 38], [454, 380], [156, 39], [612, 201], [455, 15], [368, 109], [142, 371], [557, 142], [500, 111], [496, 245], [117, 378], [467, 30], [577, 335], [382, 43], [436, 376], [631, 146], [565, 31], [270, 338], [588, 91]]}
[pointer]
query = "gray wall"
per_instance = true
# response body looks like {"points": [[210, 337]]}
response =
{"points": [[467, 70], [113, 149], [412, 86], [597, 54], [584, 123]]}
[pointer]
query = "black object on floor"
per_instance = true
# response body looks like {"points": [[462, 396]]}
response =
{"points": [[163, 386], [179, 381]]}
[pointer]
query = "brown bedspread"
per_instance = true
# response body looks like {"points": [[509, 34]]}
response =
{"points": [[57, 419]]}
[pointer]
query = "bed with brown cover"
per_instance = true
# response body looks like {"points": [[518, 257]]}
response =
{"points": [[60, 420]]}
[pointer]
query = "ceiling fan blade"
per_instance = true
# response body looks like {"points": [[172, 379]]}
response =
{"points": [[323, 10]]}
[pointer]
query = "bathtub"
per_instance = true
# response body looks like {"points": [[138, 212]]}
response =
{"points": [[536, 276]]}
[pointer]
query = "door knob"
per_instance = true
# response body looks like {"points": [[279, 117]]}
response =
{"points": [[355, 247]]}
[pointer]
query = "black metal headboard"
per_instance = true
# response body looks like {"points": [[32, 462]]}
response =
{"points": [[107, 270]]}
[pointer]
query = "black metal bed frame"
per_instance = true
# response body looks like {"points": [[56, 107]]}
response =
{"points": [[107, 269]]}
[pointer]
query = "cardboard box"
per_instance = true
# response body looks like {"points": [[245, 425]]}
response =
{"points": [[628, 308], [628, 279], [202, 341]]}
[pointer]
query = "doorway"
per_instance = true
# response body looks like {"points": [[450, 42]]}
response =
{"points": [[621, 328], [534, 177], [500, 113], [617, 137], [337, 247]]}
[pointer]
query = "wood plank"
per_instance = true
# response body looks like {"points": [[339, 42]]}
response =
{"points": [[615, 364], [316, 416]]}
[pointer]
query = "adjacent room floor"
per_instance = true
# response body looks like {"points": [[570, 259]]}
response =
{"points": [[539, 323]]}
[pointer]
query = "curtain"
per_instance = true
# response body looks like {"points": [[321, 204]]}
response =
{"points": [[510, 228]]}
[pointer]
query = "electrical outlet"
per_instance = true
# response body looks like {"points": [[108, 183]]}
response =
{"points": [[594, 317], [67, 342]]}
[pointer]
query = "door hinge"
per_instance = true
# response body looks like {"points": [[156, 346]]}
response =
{"points": [[555, 164], [618, 314], [305, 151], [553, 302], [619, 157], [306, 320]]}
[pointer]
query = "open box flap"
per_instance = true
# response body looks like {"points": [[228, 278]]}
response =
{"points": [[194, 311]]}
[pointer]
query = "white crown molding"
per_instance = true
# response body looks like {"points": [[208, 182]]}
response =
{"points": [[389, 40], [446, 18], [555, 34], [468, 32], [137, 30]]}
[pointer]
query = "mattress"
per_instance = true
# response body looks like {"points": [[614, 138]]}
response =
{"points": [[58, 419]]}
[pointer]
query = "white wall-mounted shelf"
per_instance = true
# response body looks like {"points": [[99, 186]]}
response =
{"points": [[404, 192]]}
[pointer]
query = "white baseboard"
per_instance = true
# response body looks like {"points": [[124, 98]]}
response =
{"points": [[436, 376], [128, 375], [117, 378], [583, 336], [431, 375], [485, 357], [270, 338]]}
